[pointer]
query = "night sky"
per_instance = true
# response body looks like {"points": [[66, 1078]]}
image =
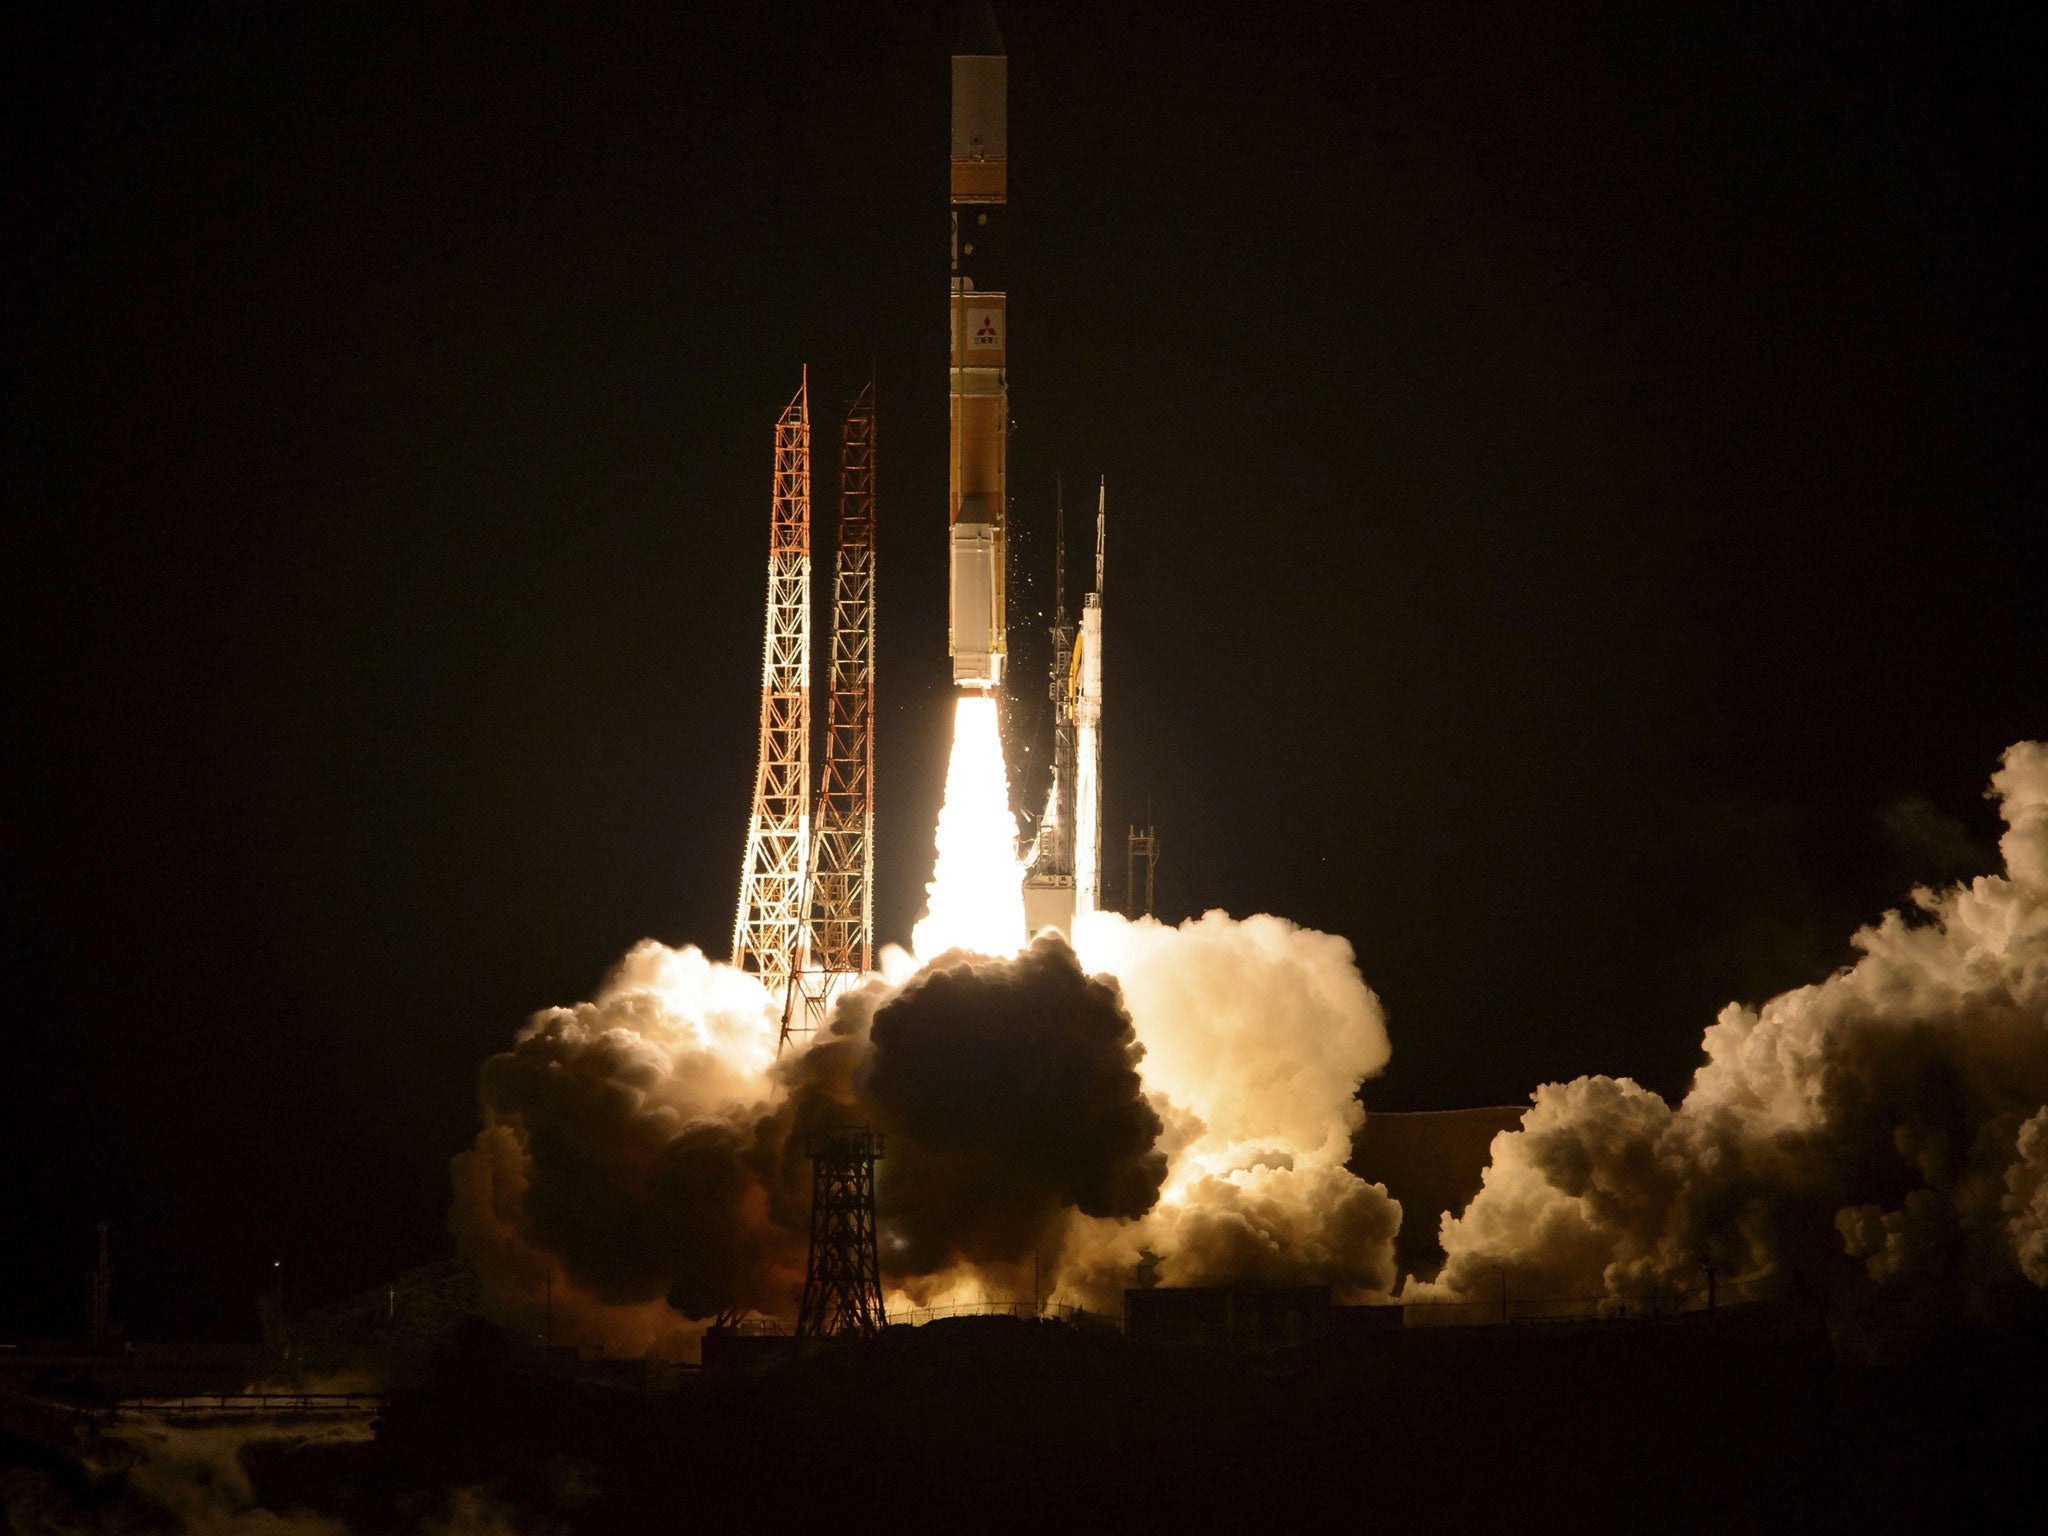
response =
{"points": [[1576, 528]]}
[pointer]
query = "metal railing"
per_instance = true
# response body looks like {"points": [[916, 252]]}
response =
{"points": [[253, 1404], [1565, 1309], [1057, 1311]]}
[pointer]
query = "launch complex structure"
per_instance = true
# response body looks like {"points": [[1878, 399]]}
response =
{"points": [[806, 918], [805, 923]]}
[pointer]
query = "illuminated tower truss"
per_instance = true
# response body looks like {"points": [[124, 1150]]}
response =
{"points": [[842, 905], [769, 934]]}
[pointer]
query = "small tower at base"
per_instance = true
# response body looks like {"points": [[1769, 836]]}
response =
{"points": [[843, 1278]]}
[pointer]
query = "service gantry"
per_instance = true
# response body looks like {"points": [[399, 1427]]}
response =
{"points": [[770, 936], [841, 906]]}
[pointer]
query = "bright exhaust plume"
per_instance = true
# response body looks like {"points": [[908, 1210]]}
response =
{"points": [[976, 898]]}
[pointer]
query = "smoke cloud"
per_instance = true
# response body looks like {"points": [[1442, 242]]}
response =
{"points": [[1877, 1140], [1010, 1089], [617, 1161], [1184, 1099], [1256, 1034], [642, 1153]]}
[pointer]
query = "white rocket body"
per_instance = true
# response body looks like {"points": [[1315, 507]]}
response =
{"points": [[1088, 766]]}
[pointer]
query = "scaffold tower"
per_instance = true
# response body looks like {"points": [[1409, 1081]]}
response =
{"points": [[841, 907], [770, 935], [1141, 862], [843, 1278]]}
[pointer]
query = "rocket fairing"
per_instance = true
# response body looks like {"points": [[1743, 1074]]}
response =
{"points": [[980, 433]]}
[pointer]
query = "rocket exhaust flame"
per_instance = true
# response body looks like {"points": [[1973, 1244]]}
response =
{"points": [[976, 897]]}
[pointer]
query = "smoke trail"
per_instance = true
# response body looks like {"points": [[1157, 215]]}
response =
{"points": [[1878, 1139], [976, 897]]}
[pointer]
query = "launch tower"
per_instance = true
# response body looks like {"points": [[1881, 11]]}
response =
{"points": [[841, 905], [1141, 864], [843, 1276], [770, 936]]}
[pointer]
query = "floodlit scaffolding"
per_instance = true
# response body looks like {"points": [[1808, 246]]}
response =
{"points": [[770, 936], [842, 899]]}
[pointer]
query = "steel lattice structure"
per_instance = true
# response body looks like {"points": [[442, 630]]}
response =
{"points": [[770, 936], [1141, 862], [843, 1278], [842, 905]]}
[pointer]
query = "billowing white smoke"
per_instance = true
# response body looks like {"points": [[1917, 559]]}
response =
{"points": [[1874, 1140], [642, 1151], [1257, 1034]]}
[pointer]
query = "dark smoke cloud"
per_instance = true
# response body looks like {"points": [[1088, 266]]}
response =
{"points": [[640, 1196], [646, 1147], [1011, 1093]]}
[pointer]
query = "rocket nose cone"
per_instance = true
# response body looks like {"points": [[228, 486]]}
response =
{"points": [[978, 32]]}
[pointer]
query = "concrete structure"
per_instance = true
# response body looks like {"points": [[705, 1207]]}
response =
{"points": [[1431, 1161], [1245, 1317]]}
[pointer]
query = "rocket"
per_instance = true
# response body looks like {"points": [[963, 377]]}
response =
{"points": [[1064, 880], [979, 441], [1088, 733]]}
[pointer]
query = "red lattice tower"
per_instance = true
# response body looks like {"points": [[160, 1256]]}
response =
{"points": [[842, 908], [770, 936]]}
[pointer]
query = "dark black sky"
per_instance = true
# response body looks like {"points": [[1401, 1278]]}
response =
{"points": [[1576, 479]]}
